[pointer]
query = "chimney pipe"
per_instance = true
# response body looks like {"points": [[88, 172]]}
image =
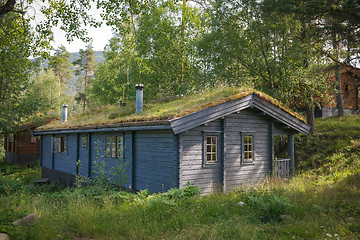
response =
{"points": [[139, 98], [64, 113]]}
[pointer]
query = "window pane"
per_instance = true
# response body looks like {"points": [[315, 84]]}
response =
{"points": [[214, 157], [214, 140], [65, 144], [119, 146], [214, 148], [113, 146], [208, 148], [208, 140], [108, 146], [208, 157], [83, 141]]}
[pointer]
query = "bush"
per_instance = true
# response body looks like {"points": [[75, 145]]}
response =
{"points": [[269, 208]]}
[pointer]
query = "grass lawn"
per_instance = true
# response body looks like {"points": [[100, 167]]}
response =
{"points": [[321, 202]]}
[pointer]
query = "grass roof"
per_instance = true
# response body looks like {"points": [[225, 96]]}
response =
{"points": [[155, 112]]}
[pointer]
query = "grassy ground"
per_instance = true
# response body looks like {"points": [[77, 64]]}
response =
{"points": [[321, 202]]}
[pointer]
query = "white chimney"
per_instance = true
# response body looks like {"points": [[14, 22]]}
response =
{"points": [[64, 113], [139, 98]]}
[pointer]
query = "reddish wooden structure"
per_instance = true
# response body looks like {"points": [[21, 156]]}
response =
{"points": [[350, 84], [350, 89], [21, 148]]}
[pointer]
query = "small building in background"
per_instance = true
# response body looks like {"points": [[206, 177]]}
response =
{"points": [[21, 147], [350, 87], [327, 106]]}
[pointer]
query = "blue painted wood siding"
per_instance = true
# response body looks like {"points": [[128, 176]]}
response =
{"points": [[98, 151], [84, 156], [155, 160], [207, 177], [46, 155], [66, 161]]}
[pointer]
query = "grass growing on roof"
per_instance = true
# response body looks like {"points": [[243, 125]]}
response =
{"points": [[157, 111]]}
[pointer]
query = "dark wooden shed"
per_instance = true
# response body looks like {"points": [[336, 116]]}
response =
{"points": [[218, 145], [21, 147]]}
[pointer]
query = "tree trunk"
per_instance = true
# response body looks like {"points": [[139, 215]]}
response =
{"points": [[183, 25], [310, 117], [86, 71], [339, 98]]}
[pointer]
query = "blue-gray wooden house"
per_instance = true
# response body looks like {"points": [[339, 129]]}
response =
{"points": [[222, 146]]}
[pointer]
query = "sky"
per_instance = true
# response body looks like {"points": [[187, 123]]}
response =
{"points": [[100, 36]]}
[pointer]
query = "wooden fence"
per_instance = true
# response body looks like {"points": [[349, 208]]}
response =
{"points": [[282, 168]]}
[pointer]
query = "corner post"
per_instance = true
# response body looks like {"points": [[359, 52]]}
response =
{"points": [[291, 153], [271, 147]]}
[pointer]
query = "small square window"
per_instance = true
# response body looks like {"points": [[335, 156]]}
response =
{"points": [[114, 146], [59, 144], [83, 141], [33, 139]]}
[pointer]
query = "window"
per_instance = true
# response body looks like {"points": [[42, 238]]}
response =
{"points": [[83, 141], [247, 155], [59, 144], [33, 139], [114, 146], [211, 155], [346, 89], [248, 149]]}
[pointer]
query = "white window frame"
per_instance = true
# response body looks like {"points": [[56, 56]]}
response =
{"points": [[212, 135], [59, 144], [114, 146], [246, 148]]}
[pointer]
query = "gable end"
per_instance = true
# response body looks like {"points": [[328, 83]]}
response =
{"points": [[207, 115], [195, 119]]}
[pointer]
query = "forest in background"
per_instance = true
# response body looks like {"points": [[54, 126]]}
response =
{"points": [[288, 49]]}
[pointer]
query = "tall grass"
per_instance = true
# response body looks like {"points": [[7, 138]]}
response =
{"points": [[321, 202]]}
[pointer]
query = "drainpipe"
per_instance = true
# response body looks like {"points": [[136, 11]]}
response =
{"points": [[64, 113], [139, 98]]}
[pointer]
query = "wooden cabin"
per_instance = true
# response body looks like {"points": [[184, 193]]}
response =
{"points": [[217, 145], [21, 147]]}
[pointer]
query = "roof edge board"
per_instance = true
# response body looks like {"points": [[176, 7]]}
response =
{"points": [[207, 115], [100, 130], [197, 115], [285, 117]]}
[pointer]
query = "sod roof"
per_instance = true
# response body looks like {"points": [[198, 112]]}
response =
{"points": [[157, 113]]}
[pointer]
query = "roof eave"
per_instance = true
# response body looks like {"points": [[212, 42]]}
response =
{"points": [[138, 126]]}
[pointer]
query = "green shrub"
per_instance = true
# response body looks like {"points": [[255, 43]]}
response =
{"points": [[191, 190], [269, 208]]}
